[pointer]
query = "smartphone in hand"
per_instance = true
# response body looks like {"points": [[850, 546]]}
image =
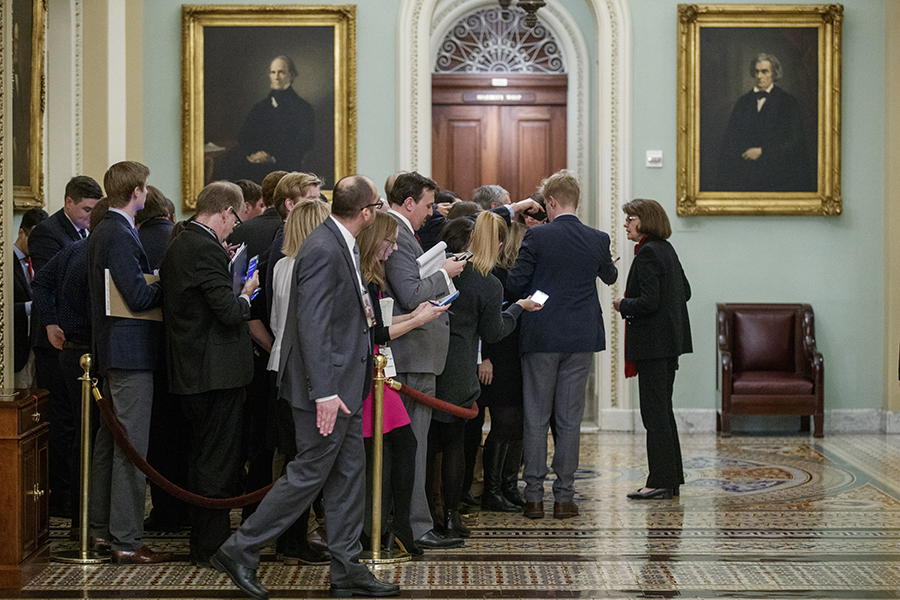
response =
{"points": [[539, 297], [446, 299]]}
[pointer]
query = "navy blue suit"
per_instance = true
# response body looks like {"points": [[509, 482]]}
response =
{"points": [[563, 259], [125, 351], [47, 238], [154, 235]]}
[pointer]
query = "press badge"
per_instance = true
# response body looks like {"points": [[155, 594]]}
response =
{"points": [[390, 370]]}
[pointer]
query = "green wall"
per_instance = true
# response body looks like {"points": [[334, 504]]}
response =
{"points": [[835, 264]]}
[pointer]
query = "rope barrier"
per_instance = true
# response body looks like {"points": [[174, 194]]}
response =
{"points": [[121, 438], [421, 398]]}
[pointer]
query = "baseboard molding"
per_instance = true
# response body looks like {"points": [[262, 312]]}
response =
{"points": [[703, 420]]}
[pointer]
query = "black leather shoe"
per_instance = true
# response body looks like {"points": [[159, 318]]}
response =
{"points": [[655, 493], [372, 587], [454, 526], [434, 540], [243, 577]]}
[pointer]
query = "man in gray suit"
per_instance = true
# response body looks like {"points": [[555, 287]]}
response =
{"points": [[420, 354], [326, 374]]}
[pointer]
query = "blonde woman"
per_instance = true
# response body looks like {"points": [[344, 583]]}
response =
{"points": [[376, 244], [477, 313], [300, 222]]}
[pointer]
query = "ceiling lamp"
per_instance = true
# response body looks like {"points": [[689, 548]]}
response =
{"points": [[529, 6]]}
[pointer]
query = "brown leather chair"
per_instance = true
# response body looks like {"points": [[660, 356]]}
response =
{"points": [[768, 363]]}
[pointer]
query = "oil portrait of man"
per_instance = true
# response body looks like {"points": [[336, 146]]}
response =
{"points": [[758, 133]]}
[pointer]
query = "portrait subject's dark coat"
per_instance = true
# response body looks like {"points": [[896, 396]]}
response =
{"points": [[777, 128], [282, 124]]}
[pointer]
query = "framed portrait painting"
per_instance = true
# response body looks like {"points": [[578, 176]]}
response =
{"points": [[28, 34], [759, 105], [267, 88]]}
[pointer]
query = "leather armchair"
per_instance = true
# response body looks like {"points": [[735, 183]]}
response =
{"points": [[768, 363]]}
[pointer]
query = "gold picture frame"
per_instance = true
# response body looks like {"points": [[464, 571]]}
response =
{"points": [[28, 38], [720, 48], [227, 51]]}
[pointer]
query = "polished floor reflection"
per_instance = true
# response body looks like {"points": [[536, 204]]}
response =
{"points": [[758, 517]]}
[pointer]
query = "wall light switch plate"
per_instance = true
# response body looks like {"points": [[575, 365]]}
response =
{"points": [[654, 159]]}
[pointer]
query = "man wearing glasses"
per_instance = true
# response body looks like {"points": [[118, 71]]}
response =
{"points": [[209, 355]]}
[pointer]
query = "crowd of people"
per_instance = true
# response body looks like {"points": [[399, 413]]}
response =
{"points": [[239, 372]]}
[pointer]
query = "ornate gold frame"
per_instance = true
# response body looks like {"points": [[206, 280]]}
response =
{"points": [[195, 17], [31, 195], [826, 200]]}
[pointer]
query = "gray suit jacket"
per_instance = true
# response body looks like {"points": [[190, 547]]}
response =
{"points": [[327, 345], [424, 349]]}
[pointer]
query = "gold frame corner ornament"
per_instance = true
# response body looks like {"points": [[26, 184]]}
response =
{"points": [[32, 195], [827, 19], [194, 17]]}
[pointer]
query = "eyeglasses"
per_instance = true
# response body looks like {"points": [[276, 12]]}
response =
{"points": [[375, 205], [237, 219], [631, 218]]}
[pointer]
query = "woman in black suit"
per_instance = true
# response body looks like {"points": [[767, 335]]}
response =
{"points": [[657, 332]]}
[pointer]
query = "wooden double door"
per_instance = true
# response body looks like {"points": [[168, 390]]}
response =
{"points": [[512, 135]]}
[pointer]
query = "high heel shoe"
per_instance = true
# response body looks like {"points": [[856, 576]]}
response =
{"points": [[403, 538], [654, 493]]}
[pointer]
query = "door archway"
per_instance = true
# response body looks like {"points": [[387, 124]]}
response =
{"points": [[603, 159]]}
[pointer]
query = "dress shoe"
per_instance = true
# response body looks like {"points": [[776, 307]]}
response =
{"points": [[307, 556], [533, 510], [433, 540], [243, 577], [318, 539], [564, 510], [650, 494], [371, 587], [99, 543], [141, 556], [454, 526]]}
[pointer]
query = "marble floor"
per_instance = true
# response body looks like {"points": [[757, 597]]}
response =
{"points": [[758, 517]]}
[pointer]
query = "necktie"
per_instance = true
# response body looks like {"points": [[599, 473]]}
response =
{"points": [[418, 239], [27, 260], [82, 233]]}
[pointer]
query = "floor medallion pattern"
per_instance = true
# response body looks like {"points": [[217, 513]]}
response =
{"points": [[787, 517]]}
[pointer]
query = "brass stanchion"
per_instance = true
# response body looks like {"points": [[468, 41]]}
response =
{"points": [[376, 555], [84, 555]]}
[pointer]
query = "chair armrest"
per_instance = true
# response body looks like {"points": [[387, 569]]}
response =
{"points": [[813, 356]]}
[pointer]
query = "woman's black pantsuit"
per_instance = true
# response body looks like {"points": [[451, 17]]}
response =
{"points": [[656, 376], [657, 332]]}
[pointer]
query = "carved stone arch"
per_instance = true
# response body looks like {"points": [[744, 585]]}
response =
{"points": [[604, 161]]}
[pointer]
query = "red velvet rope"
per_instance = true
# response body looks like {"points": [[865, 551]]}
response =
{"points": [[457, 411], [119, 435]]}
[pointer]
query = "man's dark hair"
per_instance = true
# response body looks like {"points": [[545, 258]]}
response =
{"points": [[458, 233], [410, 185], [446, 196], [98, 212], [82, 186], [154, 206], [218, 196], [464, 208], [251, 190], [32, 217], [269, 183], [351, 195]]}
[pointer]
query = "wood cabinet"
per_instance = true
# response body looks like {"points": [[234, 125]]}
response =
{"points": [[24, 491]]}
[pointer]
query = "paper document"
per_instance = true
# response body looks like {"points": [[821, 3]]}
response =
{"points": [[116, 306], [431, 261]]}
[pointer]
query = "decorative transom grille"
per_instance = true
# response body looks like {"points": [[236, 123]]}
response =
{"points": [[495, 40]]}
